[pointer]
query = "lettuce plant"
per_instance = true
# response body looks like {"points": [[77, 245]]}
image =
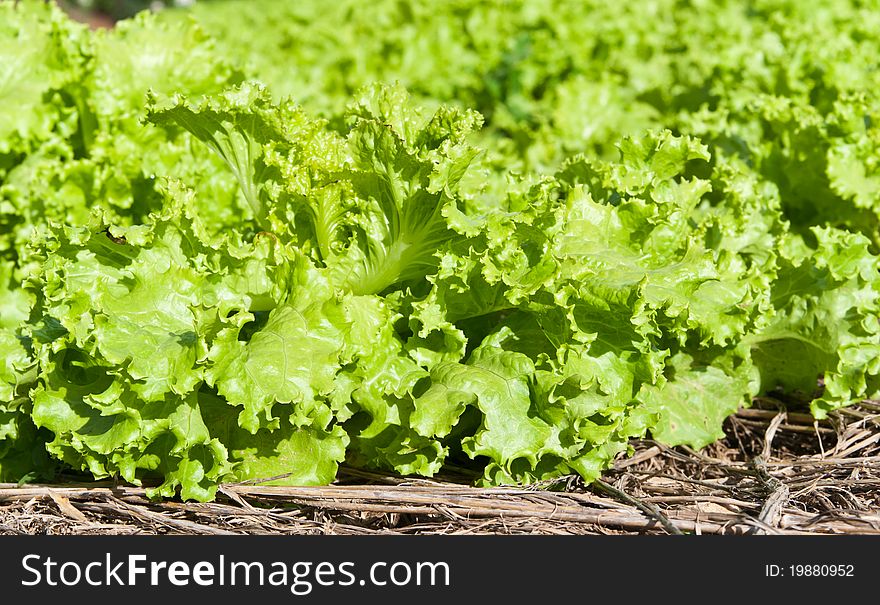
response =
{"points": [[487, 250]]}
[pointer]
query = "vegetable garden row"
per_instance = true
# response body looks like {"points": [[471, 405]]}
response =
{"points": [[258, 239]]}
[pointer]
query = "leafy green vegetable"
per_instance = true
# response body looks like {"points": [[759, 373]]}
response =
{"points": [[254, 242]]}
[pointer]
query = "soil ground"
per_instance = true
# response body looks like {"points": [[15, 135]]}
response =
{"points": [[776, 472]]}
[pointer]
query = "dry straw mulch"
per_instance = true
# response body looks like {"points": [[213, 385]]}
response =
{"points": [[777, 472]]}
